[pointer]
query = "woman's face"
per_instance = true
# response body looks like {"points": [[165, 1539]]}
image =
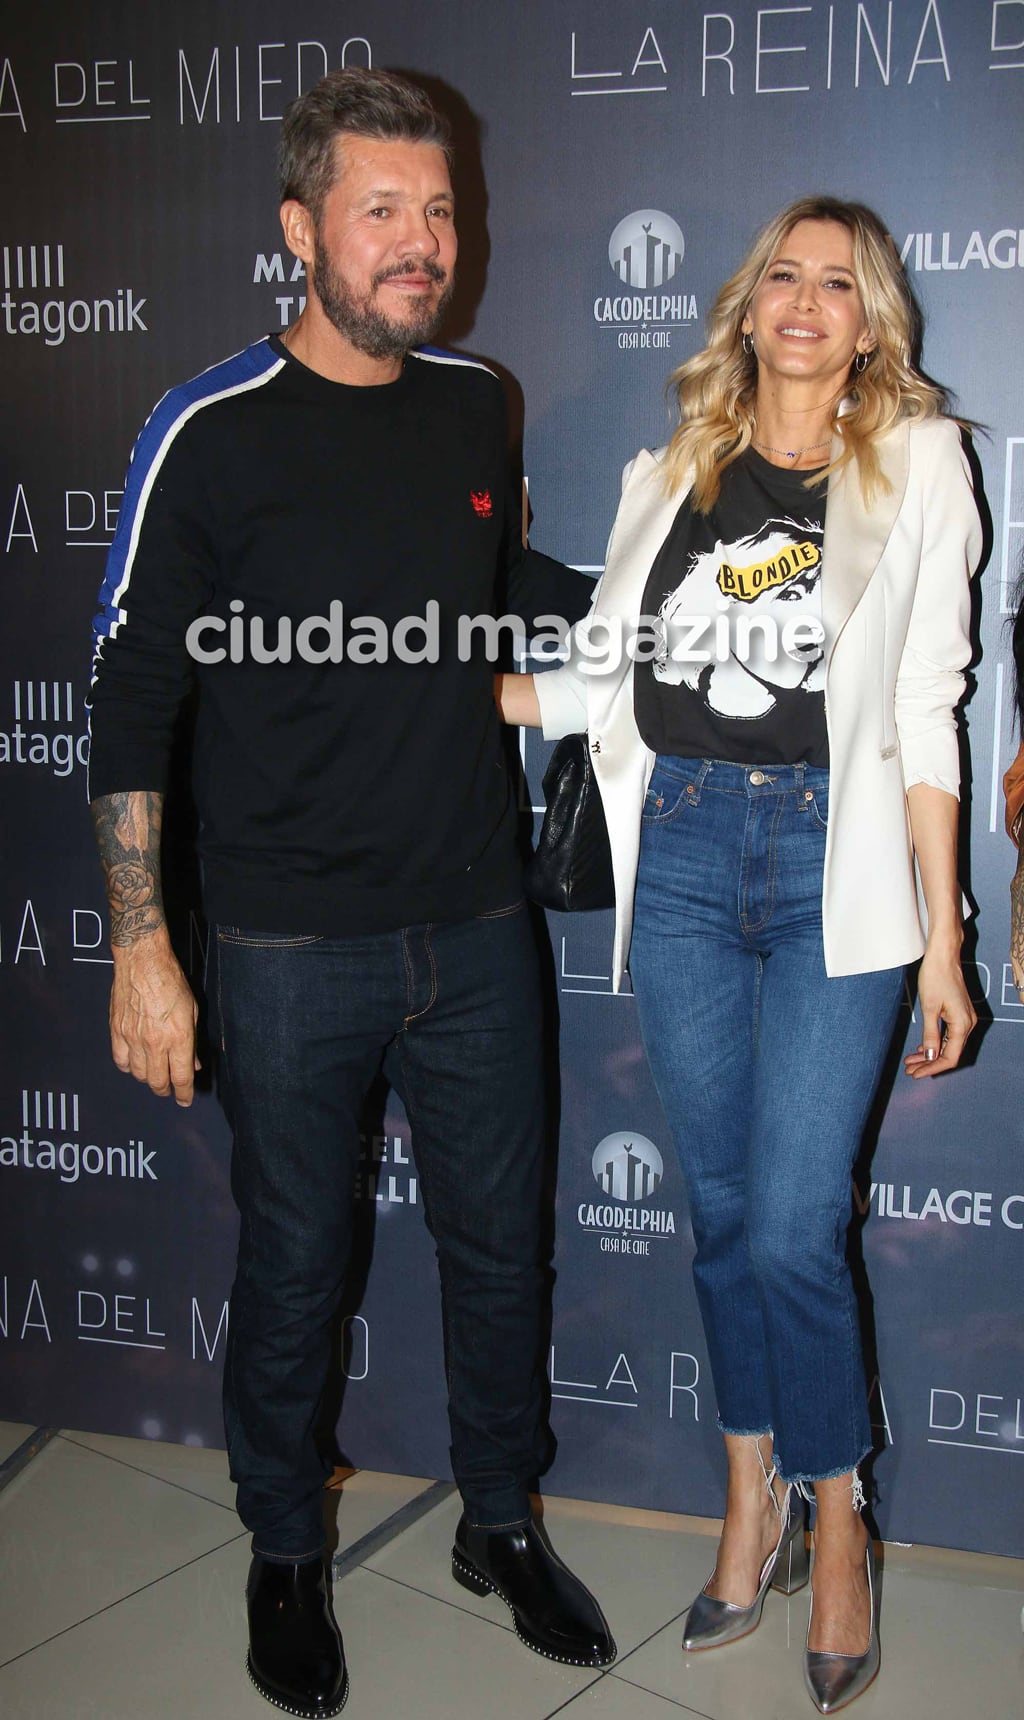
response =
{"points": [[806, 317]]}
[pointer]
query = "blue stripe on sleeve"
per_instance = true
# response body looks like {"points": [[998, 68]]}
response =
{"points": [[236, 375]]}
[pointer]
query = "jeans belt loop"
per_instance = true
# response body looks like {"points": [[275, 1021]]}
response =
{"points": [[694, 788], [801, 803]]}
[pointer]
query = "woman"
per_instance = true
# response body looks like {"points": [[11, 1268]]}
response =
{"points": [[765, 804]]}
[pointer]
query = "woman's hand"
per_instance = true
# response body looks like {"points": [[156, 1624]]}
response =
{"points": [[947, 1012]]}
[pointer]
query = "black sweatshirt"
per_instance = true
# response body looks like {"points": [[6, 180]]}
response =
{"points": [[334, 796]]}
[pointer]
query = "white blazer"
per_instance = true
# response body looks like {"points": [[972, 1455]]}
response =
{"points": [[896, 612]]}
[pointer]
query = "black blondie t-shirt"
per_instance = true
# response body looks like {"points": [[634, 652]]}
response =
{"points": [[736, 665]]}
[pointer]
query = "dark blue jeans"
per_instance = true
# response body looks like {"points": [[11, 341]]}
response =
{"points": [[766, 1069], [453, 1012]]}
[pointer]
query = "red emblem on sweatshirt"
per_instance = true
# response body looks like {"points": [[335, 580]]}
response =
{"points": [[482, 504]]}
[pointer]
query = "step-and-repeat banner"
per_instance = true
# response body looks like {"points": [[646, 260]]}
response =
{"points": [[616, 157]]}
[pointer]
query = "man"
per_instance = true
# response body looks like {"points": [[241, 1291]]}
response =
{"points": [[302, 527]]}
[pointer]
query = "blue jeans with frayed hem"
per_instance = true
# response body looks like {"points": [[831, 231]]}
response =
{"points": [[766, 1069]]}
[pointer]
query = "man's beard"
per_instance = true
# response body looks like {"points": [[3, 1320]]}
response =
{"points": [[364, 324]]}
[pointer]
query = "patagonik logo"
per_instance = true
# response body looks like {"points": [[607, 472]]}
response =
{"points": [[646, 251], [50, 1140], [35, 300], [628, 1169], [45, 716]]}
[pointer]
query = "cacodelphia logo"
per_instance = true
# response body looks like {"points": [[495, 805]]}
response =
{"points": [[646, 251], [627, 1168]]}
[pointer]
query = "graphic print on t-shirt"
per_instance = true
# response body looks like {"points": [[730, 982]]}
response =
{"points": [[748, 590]]}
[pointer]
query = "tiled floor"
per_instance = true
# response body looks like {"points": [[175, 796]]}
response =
{"points": [[122, 1568]]}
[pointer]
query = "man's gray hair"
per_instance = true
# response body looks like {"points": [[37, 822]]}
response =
{"points": [[357, 103]]}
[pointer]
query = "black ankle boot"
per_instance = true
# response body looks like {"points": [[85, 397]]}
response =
{"points": [[552, 1611], [296, 1659]]}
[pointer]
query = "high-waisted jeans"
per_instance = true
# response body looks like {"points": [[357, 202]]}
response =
{"points": [[766, 1069], [454, 1012]]}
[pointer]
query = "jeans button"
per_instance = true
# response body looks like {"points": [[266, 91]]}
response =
{"points": [[757, 778]]}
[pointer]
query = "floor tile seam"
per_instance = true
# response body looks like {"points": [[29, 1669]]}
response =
{"points": [[137, 1469], [354, 1555], [428, 1594], [609, 1673], [506, 1625], [637, 1646], [121, 1599], [634, 1684], [600, 1674]]}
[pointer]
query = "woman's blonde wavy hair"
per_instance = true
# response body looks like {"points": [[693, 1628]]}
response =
{"points": [[716, 390]]}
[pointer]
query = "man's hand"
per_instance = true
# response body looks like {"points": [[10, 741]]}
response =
{"points": [[152, 1009], [153, 1019]]}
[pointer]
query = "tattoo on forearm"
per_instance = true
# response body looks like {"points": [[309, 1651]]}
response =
{"points": [[128, 832]]}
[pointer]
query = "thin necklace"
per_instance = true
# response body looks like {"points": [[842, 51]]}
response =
{"points": [[791, 453]]}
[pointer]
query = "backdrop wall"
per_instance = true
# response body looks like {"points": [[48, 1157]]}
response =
{"points": [[617, 157]]}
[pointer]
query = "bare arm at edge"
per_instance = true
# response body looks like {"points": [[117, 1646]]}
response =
{"points": [[152, 1009], [947, 1013], [516, 699], [1017, 924]]}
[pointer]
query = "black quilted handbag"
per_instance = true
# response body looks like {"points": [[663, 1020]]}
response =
{"points": [[572, 866]]}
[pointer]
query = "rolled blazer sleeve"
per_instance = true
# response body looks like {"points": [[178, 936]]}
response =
{"points": [[930, 682], [562, 697]]}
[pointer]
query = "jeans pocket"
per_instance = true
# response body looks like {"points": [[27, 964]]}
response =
{"points": [[817, 806], [665, 800], [267, 940]]}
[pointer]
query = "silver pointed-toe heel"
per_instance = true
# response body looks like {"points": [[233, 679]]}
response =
{"points": [[711, 1623], [835, 1680]]}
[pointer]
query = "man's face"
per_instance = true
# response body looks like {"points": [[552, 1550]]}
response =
{"points": [[385, 244]]}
